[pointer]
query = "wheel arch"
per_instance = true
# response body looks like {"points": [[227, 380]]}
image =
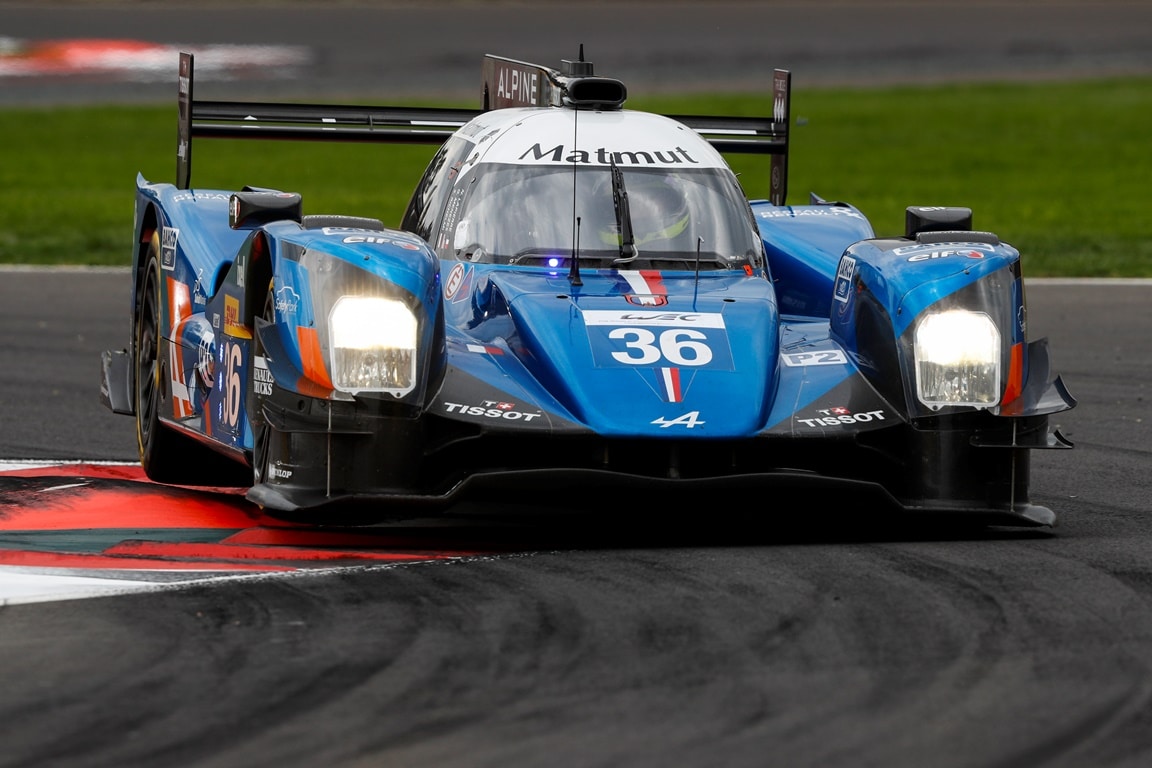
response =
{"points": [[149, 228], [258, 272]]}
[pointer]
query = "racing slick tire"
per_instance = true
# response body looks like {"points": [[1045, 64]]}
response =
{"points": [[166, 455]]}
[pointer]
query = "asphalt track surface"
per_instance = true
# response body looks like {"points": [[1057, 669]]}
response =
{"points": [[767, 634]]}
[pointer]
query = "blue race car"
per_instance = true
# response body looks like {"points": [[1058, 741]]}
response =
{"points": [[580, 302]]}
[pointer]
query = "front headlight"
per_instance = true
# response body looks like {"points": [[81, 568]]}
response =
{"points": [[958, 359], [373, 343]]}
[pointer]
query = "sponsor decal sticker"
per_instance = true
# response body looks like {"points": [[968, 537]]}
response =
{"points": [[915, 253], [516, 85], [662, 341], [654, 318], [287, 300], [845, 274], [491, 409], [168, 238], [797, 213], [839, 416], [184, 197], [261, 376], [537, 153], [458, 286], [815, 357], [483, 350], [206, 363], [232, 324], [198, 296], [377, 240], [231, 387]]}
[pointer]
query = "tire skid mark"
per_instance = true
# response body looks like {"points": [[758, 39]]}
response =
{"points": [[1010, 602]]}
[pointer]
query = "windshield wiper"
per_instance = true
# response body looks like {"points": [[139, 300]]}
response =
{"points": [[628, 250]]}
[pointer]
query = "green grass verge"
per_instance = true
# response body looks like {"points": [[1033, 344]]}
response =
{"points": [[1060, 170]]}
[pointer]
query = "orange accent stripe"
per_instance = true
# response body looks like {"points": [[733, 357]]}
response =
{"points": [[179, 310], [311, 357], [1015, 384], [179, 302]]}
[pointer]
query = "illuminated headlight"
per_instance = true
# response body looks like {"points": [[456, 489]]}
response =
{"points": [[373, 345], [957, 359]]}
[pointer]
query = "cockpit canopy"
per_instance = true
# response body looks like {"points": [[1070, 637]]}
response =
{"points": [[511, 197], [540, 215]]}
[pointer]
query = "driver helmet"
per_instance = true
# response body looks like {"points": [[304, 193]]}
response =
{"points": [[658, 208]]}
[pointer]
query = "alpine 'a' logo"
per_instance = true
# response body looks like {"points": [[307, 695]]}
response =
{"points": [[690, 420]]}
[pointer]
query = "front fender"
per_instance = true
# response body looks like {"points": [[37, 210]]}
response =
{"points": [[313, 269], [885, 287]]}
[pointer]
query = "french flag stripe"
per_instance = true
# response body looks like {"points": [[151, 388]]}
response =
{"points": [[671, 380], [645, 282]]}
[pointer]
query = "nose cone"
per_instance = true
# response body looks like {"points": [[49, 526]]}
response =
{"points": [[701, 359]]}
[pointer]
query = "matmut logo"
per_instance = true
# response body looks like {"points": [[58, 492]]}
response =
{"points": [[604, 156]]}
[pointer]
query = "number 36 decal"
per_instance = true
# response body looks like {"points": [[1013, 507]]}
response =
{"points": [[677, 346], [659, 339]]}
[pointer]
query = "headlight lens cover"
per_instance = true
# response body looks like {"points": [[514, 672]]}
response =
{"points": [[373, 343], [958, 359]]}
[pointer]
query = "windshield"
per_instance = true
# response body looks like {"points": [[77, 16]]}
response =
{"points": [[531, 214]]}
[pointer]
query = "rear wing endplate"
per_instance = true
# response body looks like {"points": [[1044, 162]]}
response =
{"points": [[574, 87]]}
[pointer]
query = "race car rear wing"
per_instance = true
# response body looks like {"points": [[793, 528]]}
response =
{"points": [[507, 82]]}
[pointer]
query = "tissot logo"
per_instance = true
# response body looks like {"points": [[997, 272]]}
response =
{"points": [[835, 417], [491, 409], [602, 156]]}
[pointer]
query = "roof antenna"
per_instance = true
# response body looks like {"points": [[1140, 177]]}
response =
{"points": [[574, 267], [696, 289]]}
